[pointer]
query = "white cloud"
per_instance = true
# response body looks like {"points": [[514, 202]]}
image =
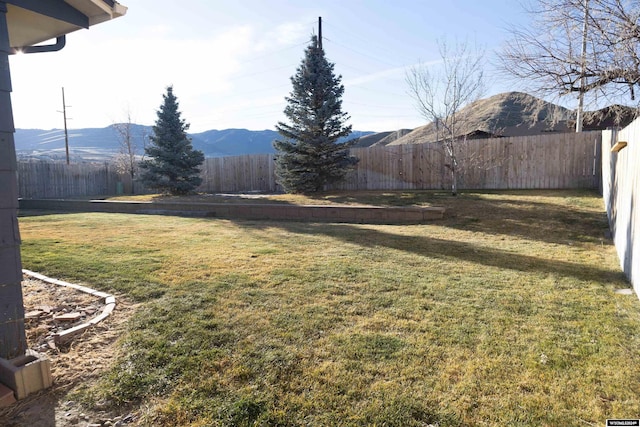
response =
{"points": [[283, 35], [289, 33], [102, 76]]}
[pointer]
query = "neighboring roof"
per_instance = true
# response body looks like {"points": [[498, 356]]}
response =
{"points": [[481, 134], [32, 21]]}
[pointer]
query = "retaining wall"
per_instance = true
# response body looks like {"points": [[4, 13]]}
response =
{"points": [[310, 213]]}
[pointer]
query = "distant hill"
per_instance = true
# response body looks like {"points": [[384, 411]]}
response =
{"points": [[505, 114], [615, 115], [88, 144], [381, 138], [102, 144], [233, 142]]}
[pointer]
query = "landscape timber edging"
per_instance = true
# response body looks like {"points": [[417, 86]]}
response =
{"points": [[65, 336], [254, 211]]}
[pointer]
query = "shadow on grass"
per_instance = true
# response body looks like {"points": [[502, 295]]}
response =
{"points": [[24, 213], [545, 222], [436, 248], [206, 198], [559, 217], [553, 216]]}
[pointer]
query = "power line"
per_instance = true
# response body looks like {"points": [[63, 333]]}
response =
{"points": [[362, 53], [375, 91], [364, 40], [391, 116], [354, 35], [274, 52], [378, 106], [367, 73], [261, 72], [267, 89]]}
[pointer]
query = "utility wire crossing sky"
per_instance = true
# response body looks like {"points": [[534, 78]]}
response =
{"points": [[230, 63]]}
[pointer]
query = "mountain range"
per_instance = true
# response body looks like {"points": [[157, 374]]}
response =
{"points": [[102, 144], [502, 115]]}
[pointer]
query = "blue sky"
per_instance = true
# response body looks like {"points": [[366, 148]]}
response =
{"points": [[230, 61]]}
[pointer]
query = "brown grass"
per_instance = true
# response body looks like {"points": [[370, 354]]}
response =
{"points": [[503, 313]]}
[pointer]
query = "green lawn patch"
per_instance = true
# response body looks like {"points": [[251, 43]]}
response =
{"points": [[503, 313]]}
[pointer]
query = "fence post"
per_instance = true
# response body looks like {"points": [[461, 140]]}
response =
{"points": [[597, 167]]}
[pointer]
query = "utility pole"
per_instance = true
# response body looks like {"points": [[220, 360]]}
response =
{"points": [[66, 134], [320, 32], [583, 66]]}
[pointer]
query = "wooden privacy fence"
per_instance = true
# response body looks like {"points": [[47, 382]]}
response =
{"points": [[59, 180], [552, 161], [254, 172], [621, 194], [567, 160]]}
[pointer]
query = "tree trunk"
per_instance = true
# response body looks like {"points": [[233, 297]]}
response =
{"points": [[454, 181]]}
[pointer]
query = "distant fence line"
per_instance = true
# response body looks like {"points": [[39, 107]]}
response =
{"points": [[543, 161], [58, 180]]}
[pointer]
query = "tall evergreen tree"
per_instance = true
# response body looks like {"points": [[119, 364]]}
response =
{"points": [[173, 164], [309, 155]]}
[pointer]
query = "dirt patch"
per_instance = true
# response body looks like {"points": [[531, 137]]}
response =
{"points": [[80, 362]]}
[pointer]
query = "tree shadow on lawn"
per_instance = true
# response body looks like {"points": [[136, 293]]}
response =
{"points": [[23, 213], [544, 222], [437, 248], [512, 213]]}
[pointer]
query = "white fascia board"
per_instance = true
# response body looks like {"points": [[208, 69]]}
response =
{"points": [[97, 10]]}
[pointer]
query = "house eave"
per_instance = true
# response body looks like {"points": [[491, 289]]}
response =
{"points": [[32, 21]]}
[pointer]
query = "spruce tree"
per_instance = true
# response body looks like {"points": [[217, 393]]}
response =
{"points": [[309, 155], [173, 164]]}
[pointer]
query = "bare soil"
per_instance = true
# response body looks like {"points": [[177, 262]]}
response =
{"points": [[80, 362]]}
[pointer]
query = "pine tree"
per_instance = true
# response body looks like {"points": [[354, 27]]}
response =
{"points": [[309, 155], [173, 164]]}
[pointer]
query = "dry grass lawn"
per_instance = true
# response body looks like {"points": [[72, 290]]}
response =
{"points": [[503, 313]]}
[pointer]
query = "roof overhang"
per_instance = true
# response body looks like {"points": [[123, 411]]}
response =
{"points": [[34, 21]]}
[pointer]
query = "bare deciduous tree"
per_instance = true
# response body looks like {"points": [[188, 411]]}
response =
{"points": [[128, 157], [441, 92], [549, 54]]}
